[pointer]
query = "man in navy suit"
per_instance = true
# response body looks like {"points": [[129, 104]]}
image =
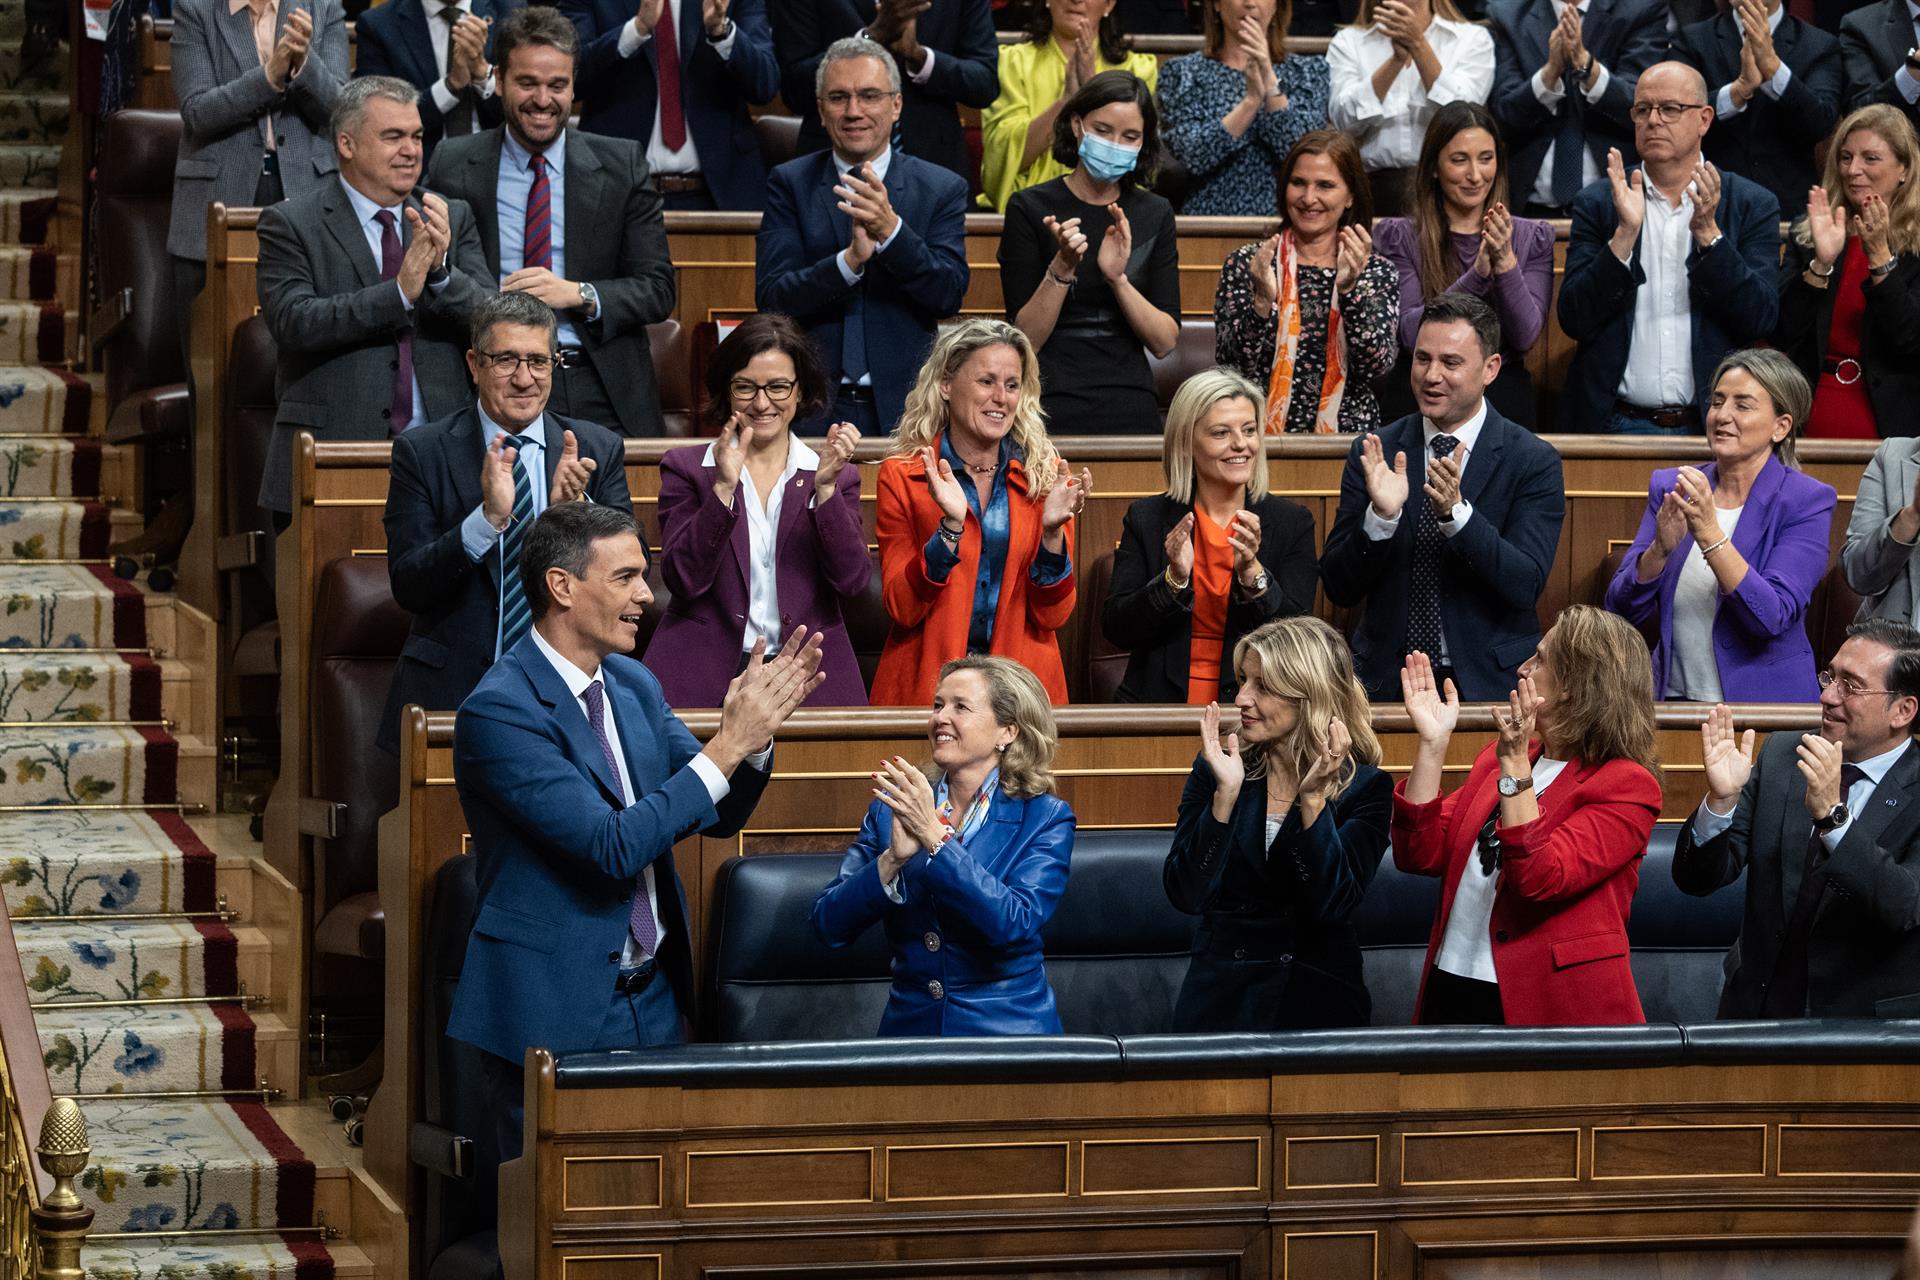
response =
{"points": [[1460, 580], [444, 49], [863, 245], [576, 781], [690, 112], [1877, 45], [451, 496], [1563, 80], [1670, 266], [945, 50]]}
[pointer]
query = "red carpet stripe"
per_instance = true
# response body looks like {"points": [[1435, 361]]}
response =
{"points": [[163, 767], [35, 217], [143, 688], [129, 610], [77, 413], [85, 482], [220, 958], [295, 1172], [198, 864], [310, 1258], [43, 274], [239, 1061], [95, 530], [53, 333]]}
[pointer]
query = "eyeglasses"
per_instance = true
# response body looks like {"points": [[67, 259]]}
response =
{"points": [[503, 363], [779, 391], [1669, 111], [1849, 687], [840, 99]]}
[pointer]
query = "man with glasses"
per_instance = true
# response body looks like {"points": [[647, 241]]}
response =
{"points": [[1671, 264], [1827, 828], [461, 493], [863, 245]]}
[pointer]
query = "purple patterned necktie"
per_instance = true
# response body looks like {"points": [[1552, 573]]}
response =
{"points": [[537, 247], [640, 912], [401, 413]]}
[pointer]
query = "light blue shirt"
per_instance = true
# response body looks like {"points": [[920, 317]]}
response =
{"points": [[1707, 824], [1724, 106], [510, 197], [478, 536], [367, 211]]}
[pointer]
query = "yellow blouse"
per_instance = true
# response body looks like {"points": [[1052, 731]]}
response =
{"points": [[1031, 78]]}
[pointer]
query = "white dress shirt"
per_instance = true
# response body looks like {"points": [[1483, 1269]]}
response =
{"points": [[439, 33], [1693, 673], [1380, 530], [660, 158], [763, 587], [1466, 949], [1723, 104], [1707, 824], [1659, 368], [1550, 99], [1391, 130], [368, 211]]}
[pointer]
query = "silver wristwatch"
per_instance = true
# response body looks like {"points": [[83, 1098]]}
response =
{"points": [[1511, 787], [589, 299]]}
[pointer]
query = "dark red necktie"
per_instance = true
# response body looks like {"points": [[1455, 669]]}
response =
{"points": [[401, 413], [537, 247], [673, 120]]}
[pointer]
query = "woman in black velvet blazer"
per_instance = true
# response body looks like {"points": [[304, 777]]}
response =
{"points": [[1215, 555]]}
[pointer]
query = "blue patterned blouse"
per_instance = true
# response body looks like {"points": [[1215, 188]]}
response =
{"points": [[1235, 176], [996, 525]]}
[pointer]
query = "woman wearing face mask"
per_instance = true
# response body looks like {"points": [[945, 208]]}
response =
{"points": [[1850, 281], [1089, 266], [1462, 239], [1309, 312], [975, 518], [1281, 830], [1068, 43]]}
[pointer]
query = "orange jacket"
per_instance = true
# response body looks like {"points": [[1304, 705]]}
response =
{"points": [[930, 619]]}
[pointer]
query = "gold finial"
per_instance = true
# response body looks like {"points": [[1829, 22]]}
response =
{"points": [[64, 1151]]}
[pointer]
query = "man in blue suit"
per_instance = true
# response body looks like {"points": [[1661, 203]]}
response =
{"points": [[443, 48], [863, 245], [1670, 265], [690, 113], [1460, 580], [577, 781]]}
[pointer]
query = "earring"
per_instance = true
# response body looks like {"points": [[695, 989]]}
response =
{"points": [[1002, 748]]}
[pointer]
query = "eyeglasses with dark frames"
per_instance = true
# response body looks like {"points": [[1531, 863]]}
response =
{"points": [[1668, 111], [779, 391], [503, 363]]}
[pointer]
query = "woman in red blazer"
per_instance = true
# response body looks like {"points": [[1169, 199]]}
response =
{"points": [[975, 518], [1539, 850]]}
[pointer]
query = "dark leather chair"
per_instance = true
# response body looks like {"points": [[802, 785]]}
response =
{"points": [[779, 138], [1191, 353], [1106, 662], [243, 551], [868, 622], [1679, 942], [673, 367], [135, 330]]}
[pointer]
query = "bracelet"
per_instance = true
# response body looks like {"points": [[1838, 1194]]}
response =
{"points": [[1883, 268], [1176, 587], [1066, 283], [1707, 551], [1813, 268], [950, 536]]}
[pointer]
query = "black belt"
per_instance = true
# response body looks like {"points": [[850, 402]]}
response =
{"points": [[854, 391], [1677, 415], [631, 982], [1846, 370], [679, 182]]}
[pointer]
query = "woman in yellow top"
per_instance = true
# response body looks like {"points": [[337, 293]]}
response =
{"points": [[1069, 42]]}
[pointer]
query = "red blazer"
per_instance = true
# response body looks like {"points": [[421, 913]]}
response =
{"points": [[1565, 891], [930, 619]]}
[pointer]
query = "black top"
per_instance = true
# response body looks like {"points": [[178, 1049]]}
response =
{"points": [[1094, 375], [1889, 333]]}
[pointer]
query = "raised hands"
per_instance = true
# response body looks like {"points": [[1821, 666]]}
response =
{"points": [[1262, 83], [1516, 726], [647, 17], [1629, 200], [943, 486], [835, 455], [1696, 505], [906, 791], [760, 698], [1243, 534], [1748, 82], [496, 482], [1265, 275], [1321, 776], [1229, 771], [1496, 240], [1387, 486], [1756, 38], [863, 198], [1669, 525], [1070, 245], [573, 475], [1442, 485], [1706, 204], [1728, 761], [290, 49], [1356, 246], [729, 455], [467, 53], [1081, 66], [1066, 498], [1179, 548], [1872, 225], [1819, 763], [427, 248], [1397, 23], [713, 16], [1116, 246], [1827, 224], [1433, 716]]}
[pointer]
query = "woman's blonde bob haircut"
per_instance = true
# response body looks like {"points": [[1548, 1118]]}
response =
{"points": [[1891, 126], [1308, 663], [1605, 674], [1016, 699], [925, 418], [1196, 396]]}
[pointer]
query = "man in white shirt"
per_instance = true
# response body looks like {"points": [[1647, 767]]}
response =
{"points": [[442, 48]]}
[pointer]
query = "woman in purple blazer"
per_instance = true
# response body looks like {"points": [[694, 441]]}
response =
{"points": [[1728, 554], [759, 533]]}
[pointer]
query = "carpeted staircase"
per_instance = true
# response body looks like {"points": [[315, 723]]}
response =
{"points": [[138, 974]]}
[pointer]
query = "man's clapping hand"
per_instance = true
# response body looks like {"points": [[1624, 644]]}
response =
{"points": [[572, 476], [427, 249], [290, 50], [1387, 486], [760, 699]]}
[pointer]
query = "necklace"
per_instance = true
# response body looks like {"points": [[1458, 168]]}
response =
{"points": [[975, 468]]}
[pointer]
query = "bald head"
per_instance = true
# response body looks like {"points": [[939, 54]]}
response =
{"points": [[1670, 82], [1670, 117]]}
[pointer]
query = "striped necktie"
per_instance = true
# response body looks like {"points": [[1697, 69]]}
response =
{"points": [[515, 617], [538, 244]]}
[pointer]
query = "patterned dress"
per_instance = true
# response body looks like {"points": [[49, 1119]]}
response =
{"points": [[1235, 176], [1244, 339]]}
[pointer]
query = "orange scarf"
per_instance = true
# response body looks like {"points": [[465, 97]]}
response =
{"points": [[1286, 350]]}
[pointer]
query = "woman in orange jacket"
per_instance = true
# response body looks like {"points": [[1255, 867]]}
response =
{"points": [[975, 518]]}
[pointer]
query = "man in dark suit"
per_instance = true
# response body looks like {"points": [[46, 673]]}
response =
{"points": [[1827, 828], [1461, 580], [863, 245], [945, 53], [1669, 266], [690, 113], [443, 48], [367, 288], [572, 218], [1877, 55], [1778, 93], [455, 489], [1563, 81]]}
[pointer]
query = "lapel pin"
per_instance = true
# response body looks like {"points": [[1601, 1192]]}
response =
{"points": [[1891, 802]]}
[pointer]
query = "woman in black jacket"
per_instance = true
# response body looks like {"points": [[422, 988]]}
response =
{"points": [[1280, 833], [1212, 558]]}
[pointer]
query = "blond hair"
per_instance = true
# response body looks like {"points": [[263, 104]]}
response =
{"points": [[926, 416], [1605, 674], [1308, 663], [1018, 701], [1191, 402], [1891, 126], [1785, 386]]}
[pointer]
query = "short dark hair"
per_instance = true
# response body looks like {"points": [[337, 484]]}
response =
{"points": [[759, 333], [1340, 148], [512, 308], [1104, 90], [535, 24], [1449, 307], [563, 538], [1903, 668]]}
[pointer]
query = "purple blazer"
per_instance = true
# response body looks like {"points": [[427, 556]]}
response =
{"points": [[820, 558], [1759, 633], [1520, 297]]}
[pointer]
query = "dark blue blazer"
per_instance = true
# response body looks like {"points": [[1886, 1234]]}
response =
{"points": [[397, 39], [618, 96], [1733, 294], [909, 289], [970, 923], [1491, 572], [1627, 36], [433, 485], [558, 857]]}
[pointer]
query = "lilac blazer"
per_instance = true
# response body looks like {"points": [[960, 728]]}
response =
{"points": [[820, 558], [1759, 634]]}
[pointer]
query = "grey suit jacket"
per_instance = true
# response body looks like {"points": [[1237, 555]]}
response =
{"points": [[1879, 568], [223, 93], [616, 241], [337, 325]]}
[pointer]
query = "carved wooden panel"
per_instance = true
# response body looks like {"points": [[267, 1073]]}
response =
{"points": [[976, 1171], [609, 1182], [1460, 1158], [1679, 1151], [796, 1176], [1170, 1166], [1336, 1161], [611, 1266], [1329, 1255], [1677, 1263], [1850, 1150]]}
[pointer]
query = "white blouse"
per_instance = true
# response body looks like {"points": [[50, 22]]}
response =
{"points": [[1390, 132]]}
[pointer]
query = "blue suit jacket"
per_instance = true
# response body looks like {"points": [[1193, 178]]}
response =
{"points": [[397, 39], [557, 855], [1733, 293], [618, 96], [966, 943], [909, 289], [1491, 572]]}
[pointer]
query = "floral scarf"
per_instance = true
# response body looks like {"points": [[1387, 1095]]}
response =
{"points": [[1286, 350]]}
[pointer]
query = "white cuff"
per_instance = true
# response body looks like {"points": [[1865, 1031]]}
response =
{"points": [[444, 98], [1707, 824], [925, 71], [1600, 79], [1778, 85], [723, 47], [710, 776], [1549, 98], [898, 222], [847, 273], [632, 38], [1908, 83], [1724, 104], [1375, 527], [1456, 519], [478, 535]]}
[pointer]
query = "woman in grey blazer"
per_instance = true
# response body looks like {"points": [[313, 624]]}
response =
{"points": [[1884, 533]]}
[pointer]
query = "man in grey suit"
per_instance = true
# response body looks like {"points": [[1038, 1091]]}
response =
{"points": [[1882, 555], [572, 218], [1827, 827], [367, 288]]}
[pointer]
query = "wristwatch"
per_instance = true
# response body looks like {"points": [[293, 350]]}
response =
{"points": [[1913, 63], [1259, 586], [589, 299], [1836, 818], [1511, 787]]}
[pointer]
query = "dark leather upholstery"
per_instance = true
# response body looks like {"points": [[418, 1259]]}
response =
{"points": [[1191, 353], [247, 409], [1106, 662], [135, 202], [867, 622], [779, 138], [673, 366]]}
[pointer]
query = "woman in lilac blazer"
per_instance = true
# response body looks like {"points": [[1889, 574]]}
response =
{"points": [[759, 532], [1728, 554]]}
